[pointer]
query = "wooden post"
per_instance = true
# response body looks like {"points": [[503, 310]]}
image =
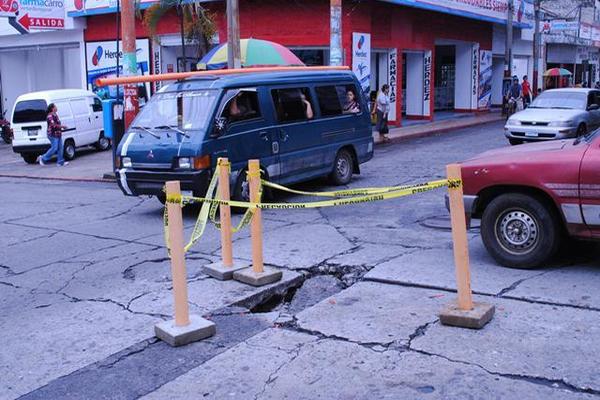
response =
{"points": [[225, 213], [256, 226], [459, 239], [180, 293]]}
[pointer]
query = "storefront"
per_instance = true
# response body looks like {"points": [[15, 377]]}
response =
{"points": [[428, 54], [40, 57]]}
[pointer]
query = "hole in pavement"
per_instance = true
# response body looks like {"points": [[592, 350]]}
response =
{"points": [[442, 223], [313, 290]]}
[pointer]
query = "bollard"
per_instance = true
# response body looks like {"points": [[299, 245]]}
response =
{"points": [[183, 329], [464, 312], [258, 275], [224, 270]]}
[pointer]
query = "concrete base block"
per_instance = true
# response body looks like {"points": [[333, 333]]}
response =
{"points": [[198, 329], [476, 318], [248, 276], [218, 271]]}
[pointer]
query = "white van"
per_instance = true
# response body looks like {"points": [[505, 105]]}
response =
{"points": [[79, 110]]}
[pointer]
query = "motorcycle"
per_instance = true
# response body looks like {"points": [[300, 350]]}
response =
{"points": [[5, 131]]}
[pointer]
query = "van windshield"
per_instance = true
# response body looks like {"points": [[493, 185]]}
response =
{"points": [[30, 111], [183, 110]]}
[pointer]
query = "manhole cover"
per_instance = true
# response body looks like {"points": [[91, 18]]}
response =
{"points": [[442, 222]]}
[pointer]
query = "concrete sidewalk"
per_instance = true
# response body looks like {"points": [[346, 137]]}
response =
{"points": [[437, 127]]}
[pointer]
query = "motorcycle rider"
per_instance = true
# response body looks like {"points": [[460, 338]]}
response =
{"points": [[515, 92]]}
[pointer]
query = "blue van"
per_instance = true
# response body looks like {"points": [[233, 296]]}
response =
{"points": [[300, 124]]}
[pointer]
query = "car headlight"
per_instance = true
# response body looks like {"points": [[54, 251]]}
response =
{"points": [[513, 121], [184, 163], [126, 162], [561, 123]]}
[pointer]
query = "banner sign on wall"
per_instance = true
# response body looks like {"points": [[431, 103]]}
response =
{"points": [[486, 10], [34, 14], [101, 62], [156, 65], [485, 80], [474, 76], [427, 60], [361, 59], [393, 82]]}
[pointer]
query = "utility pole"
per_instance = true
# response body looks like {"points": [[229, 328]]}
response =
{"points": [[233, 35], [537, 45], [509, 40], [335, 41], [130, 98], [181, 25]]}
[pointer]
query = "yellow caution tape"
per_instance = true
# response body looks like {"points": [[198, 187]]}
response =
{"points": [[337, 193], [391, 194]]}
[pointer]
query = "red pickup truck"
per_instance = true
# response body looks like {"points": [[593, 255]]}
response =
{"points": [[530, 197]]}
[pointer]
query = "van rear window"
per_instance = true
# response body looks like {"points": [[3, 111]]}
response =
{"points": [[30, 111]]}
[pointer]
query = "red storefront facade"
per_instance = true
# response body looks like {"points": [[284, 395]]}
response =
{"points": [[425, 43]]}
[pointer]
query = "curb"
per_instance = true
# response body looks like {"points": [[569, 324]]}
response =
{"points": [[434, 131], [59, 179]]}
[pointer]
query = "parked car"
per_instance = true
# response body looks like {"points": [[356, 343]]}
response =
{"points": [[530, 198], [79, 110], [556, 114], [297, 123]]}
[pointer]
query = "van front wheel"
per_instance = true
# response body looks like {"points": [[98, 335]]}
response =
{"points": [[103, 143], [342, 168], [30, 158]]}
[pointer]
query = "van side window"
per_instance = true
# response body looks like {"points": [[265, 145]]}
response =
{"points": [[242, 106], [338, 100], [97, 106], [292, 104]]}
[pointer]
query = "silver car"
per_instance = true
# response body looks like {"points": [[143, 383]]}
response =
{"points": [[556, 114]]}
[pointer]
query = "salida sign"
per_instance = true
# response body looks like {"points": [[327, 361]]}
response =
{"points": [[34, 14]]}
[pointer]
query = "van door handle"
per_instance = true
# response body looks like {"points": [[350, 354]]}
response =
{"points": [[264, 135], [283, 136]]}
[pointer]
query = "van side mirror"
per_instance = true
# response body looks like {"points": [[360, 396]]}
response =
{"points": [[220, 126], [593, 107]]}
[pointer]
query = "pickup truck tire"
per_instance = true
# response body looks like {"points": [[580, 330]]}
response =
{"points": [[514, 142], [520, 231], [581, 130]]}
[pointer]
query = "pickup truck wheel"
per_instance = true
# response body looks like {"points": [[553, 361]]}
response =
{"points": [[581, 130], [514, 142], [520, 231], [342, 168]]}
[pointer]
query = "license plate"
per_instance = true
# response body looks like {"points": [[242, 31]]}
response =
{"points": [[33, 132], [531, 134]]}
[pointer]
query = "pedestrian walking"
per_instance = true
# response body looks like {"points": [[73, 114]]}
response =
{"points": [[526, 89], [55, 136], [382, 108]]}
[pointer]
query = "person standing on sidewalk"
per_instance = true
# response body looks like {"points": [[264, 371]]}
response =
{"points": [[382, 108], [526, 89], [55, 136]]}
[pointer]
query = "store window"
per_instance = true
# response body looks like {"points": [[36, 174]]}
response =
{"points": [[292, 104], [338, 100], [312, 57]]}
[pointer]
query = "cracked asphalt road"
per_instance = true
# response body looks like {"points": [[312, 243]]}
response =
{"points": [[84, 276]]}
